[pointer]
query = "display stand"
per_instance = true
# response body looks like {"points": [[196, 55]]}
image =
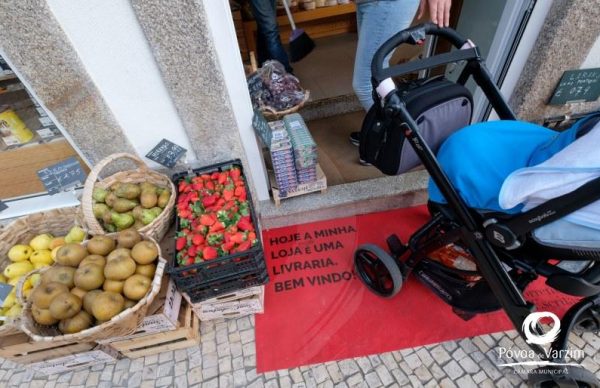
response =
{"points": [[305, 188]]}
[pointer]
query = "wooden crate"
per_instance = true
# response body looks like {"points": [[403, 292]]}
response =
{"points": [[236, 304], [52, 357], [162, 315], [185, 336]]}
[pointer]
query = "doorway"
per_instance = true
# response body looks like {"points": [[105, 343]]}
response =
{"points": [[495, 27]]}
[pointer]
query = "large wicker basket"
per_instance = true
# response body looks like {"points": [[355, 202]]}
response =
{"points": [[124, 323], [269, 112], [157, 228], [21, 231]]}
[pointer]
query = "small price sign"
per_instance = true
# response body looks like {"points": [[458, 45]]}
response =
{"points": [[577, 86], [62, 176], [5, 289], [166, 153]]}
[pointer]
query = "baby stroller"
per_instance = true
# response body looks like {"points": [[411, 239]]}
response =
{"points": [[507, 255]]}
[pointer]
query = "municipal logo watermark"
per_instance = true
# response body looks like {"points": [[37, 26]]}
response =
{"points": [[524, 359]]}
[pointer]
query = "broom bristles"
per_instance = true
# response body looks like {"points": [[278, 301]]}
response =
{"points": [[300, 45]]}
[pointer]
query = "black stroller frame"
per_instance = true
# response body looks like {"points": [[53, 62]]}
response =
{"points": [[491, 239]]}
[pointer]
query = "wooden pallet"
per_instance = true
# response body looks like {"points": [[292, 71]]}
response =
{"points": [[304, 188], [185, 336], [52, 357]]}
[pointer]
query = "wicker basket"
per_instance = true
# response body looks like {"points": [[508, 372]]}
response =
{"points": [[269, 112], [124, 323], [157, 228], [21, 231]]}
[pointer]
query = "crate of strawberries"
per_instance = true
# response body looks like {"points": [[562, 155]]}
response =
{"points": [[217, 240]]}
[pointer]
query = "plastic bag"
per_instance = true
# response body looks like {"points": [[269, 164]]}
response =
{"points": [[271, 88]]}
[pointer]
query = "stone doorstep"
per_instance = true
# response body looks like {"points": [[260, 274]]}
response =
{"points": [[346, 200]]}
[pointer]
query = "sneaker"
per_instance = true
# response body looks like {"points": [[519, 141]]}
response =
{"points": [[364, 162], [355, 138]]}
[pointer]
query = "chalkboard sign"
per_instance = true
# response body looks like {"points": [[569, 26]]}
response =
{"points": [[166, 153], [5, 289], [577, 86], [261, 127], [62, 176]]}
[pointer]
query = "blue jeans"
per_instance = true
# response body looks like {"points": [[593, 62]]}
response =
{"points": [[377, 21], [268, 43]]}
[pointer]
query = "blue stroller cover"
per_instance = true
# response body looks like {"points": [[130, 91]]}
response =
{"points": [[482, 158]]}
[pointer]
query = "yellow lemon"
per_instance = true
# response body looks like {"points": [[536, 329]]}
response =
{"points": [[16, 270], [53, 253], [40, 265], [14, 311], [35, 279], [41, 257], [20, 252], [10, 300], [41, 242]]}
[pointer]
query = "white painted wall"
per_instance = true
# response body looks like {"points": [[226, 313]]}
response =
{"points": [[226, 45], [593, 58], [532, 30], [116, 54]]}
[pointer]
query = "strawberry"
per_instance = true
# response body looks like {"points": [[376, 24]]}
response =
{"points": [[222, 178], [235, 173], [238, 237], [189, 261], [209, 253], [206, 220], [227, 194], [209, 200], [215, 176], [245, 223], [243, 246], [180, 243], [197, 239]]}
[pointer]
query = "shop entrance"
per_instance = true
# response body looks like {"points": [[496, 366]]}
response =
{"points": [[29, 139], [495, 26]]}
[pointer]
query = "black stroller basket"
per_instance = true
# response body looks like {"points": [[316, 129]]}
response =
{"points": [[507, 260]]}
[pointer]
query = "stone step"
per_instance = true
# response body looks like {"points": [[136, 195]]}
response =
{"points": [[346, 200]]}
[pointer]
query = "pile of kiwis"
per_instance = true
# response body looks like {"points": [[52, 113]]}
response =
{"points": [[90, 284], [129, 205]]}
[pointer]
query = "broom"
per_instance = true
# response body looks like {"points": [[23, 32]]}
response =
{"points": [[300, 43]]}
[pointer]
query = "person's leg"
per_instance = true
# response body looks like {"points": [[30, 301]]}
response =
{"points": [[265, 15], [379, 21]]}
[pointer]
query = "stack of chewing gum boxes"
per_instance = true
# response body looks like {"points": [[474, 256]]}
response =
{"points": [[292, 149]]}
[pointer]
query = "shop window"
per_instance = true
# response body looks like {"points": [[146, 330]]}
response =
{"points": [[29, 139]]}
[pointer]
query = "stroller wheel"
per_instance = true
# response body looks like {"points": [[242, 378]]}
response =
{"points": [[562, 376], [377, 270]]}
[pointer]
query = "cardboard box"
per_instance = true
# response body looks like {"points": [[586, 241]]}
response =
{"points": [[186, 335], [162, 314], [243, 302], [97, 355]]}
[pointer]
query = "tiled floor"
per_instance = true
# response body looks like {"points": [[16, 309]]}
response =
{"points": [[337, 156], [226, 358], [327, 71]]}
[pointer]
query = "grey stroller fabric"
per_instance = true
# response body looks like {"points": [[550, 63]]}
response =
{"points": [[435, 125]]}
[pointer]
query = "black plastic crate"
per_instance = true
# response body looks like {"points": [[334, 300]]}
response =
{"points": [[254, 265], [244, 263], [224, 286]]}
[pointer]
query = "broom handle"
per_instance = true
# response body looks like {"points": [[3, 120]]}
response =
{"points": [[289, 14]]}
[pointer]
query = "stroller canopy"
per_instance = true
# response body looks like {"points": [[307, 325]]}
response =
{"points": [[513, 166]]}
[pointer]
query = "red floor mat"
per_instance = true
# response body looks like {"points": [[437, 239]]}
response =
{"points": [[317, 311]]}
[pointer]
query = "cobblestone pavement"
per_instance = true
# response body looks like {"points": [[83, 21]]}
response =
{"points": [[227, 358]]}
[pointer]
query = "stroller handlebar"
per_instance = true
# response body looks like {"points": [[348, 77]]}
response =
{"points": [[413, 36]]}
